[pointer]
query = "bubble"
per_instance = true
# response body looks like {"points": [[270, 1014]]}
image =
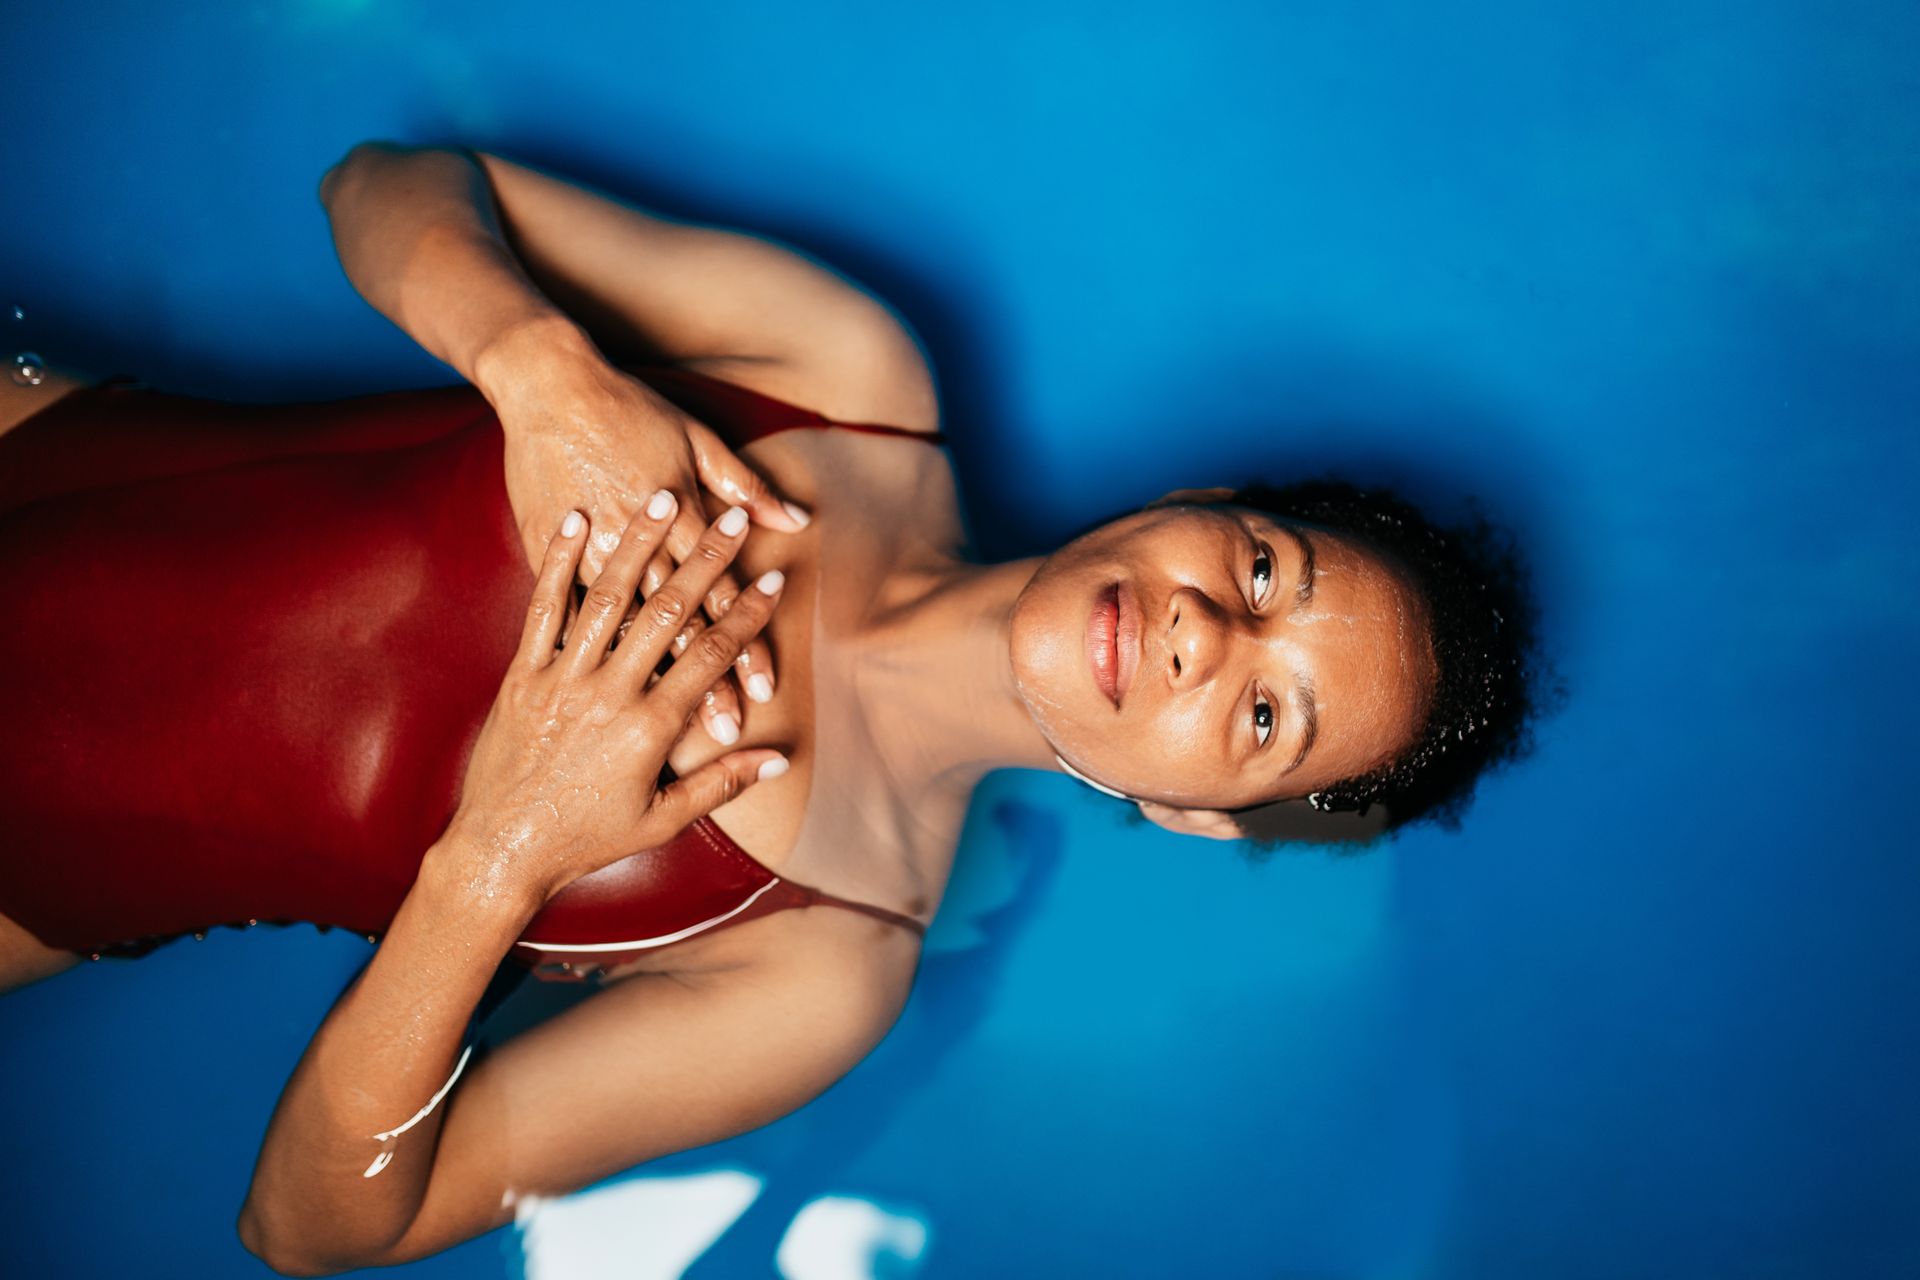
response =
{"points": [[29, 370], [19, 313]]}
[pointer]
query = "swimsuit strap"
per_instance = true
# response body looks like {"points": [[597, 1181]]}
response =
{"points": [[785, 892], [750, 415]]}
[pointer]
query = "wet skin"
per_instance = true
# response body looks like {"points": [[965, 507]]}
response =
{"points": [[1217, 652]]}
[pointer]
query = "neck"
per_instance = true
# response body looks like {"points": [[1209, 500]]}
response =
{"points": [[935, 679]]}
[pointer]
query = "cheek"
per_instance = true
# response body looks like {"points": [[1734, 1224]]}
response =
{"points": [[1041, 654], [1168, 758]]}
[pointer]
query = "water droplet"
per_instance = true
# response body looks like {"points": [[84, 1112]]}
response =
{"points": [[29, 370]]}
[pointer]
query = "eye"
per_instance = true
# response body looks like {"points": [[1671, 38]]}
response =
{"points": [[1262, 576], [1262, 719]]}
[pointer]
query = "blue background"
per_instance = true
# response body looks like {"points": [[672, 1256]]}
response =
{"points": [[1641, 275]]}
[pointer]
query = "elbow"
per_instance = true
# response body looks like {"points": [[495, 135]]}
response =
{"points": [[277, 1254], [358, 158], [361, 159]]}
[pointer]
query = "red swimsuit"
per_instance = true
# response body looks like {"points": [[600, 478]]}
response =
{"points": [[249, 652]]}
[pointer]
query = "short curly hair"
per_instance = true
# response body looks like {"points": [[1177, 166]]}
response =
{"points": [[1485, 628]]}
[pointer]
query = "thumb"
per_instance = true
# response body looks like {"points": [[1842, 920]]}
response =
{"points": [[684, 801], [736, 482]]}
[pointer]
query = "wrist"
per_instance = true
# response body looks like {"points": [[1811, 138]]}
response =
{"points": [[538, 351], [476, 879]]}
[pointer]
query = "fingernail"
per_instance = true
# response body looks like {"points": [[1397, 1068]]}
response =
{"points": [[759, 688], [800, 517], [659, 505], [771, 581], [571, 525], [773, 768], [726, 730], [734, 521]]}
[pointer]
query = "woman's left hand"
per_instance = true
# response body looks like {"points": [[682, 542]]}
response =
{"points": [[564, 777], [583, 435]]}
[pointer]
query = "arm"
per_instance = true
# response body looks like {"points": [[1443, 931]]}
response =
{"points": [[562, 781], [503, 271], [419, 235], [650, 1065]]}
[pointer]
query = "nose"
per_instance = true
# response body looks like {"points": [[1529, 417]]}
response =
{"points": [[1196, 638]]}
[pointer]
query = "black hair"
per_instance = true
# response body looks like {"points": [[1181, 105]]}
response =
{"points": [[1484, 627]]}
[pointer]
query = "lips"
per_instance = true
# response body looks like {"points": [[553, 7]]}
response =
{"points": [[1113, 642]]}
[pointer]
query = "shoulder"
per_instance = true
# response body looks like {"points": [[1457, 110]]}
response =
{"points": [[854, 970], [862, 366]]}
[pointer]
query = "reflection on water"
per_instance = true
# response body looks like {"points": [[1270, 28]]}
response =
{"points": [[843, 1237], [646, 1229], [653, 1228]]}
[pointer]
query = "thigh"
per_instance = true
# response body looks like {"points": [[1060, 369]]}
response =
{"points": [[24, 958]]}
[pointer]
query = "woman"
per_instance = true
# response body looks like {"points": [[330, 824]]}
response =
{"points": [[1204, 657]]}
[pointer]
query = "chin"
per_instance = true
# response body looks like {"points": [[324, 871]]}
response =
{"points": [[1049, 655]]}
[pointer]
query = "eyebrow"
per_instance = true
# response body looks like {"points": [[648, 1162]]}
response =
{"points": [[1310, 716], [1304, 591]]}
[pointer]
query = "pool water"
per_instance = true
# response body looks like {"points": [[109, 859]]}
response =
{"points": [[1641, 276]]}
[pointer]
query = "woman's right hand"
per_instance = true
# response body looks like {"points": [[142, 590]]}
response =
{"points": [[564, 778]]}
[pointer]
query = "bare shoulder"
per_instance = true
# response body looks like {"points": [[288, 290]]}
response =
{"points": [[853, 962], [865, 368]]}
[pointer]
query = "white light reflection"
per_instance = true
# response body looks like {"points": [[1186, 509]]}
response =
{"points": [[641, 1229], [655, 1228], [844, 1238]]}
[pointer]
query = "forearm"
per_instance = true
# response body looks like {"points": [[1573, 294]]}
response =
{"points": [[328, 1188], [418, 236]]}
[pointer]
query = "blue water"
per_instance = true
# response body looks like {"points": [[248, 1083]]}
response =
{"points": [[1642, 275]]}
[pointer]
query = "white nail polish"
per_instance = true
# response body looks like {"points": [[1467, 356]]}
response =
{"points": [[759, 688], [771, 581], [659, 504], [773, 768], [726, 731], [571, 525], [800, 517], [734, 521]]}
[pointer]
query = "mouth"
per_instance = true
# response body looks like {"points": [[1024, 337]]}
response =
{"points": [[1113, 642]]}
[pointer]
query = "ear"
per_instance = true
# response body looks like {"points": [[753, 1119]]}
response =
{"points": [[1211, 823], [1191, 497]]}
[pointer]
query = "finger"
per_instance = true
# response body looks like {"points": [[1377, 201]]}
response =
{"points": [[685, 800], [633, 611], [754, 668], [758, 659], [659, 569], [722, 471], [708, 657], [614, 587], [601, 541], [574, 594], [552, 589], [720, 713], [670, 609]]}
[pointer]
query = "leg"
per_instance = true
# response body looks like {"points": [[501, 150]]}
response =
{"points": [[24, 958]]}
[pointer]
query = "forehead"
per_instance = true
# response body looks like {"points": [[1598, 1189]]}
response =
{"points": [[1365, 642]]}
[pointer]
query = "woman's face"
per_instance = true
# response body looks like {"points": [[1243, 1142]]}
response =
{"points": [[1213, 657]]}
